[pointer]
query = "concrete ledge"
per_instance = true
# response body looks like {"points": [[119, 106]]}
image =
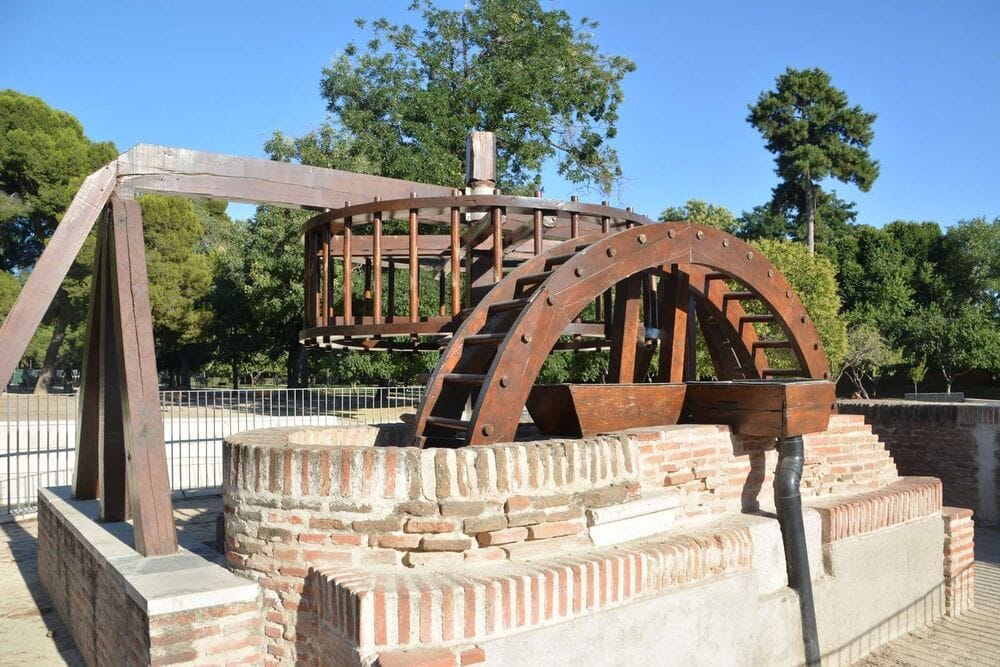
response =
{"points": [[123, 608], [183, 581]]}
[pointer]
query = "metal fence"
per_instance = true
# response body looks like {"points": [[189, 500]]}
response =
{"points": [[38, 433]]}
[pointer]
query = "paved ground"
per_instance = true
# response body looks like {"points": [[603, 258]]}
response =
{"points": [[32, 634]]}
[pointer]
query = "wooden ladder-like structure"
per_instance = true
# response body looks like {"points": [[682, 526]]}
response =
{"points": [[702, 275]]}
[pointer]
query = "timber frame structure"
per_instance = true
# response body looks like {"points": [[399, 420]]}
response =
{"points": [[516, 278], [120, 454]]}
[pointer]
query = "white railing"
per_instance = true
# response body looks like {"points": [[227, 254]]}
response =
{"points": [[38, 433]]}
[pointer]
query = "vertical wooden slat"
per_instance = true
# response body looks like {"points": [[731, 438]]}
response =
{"points": [[324, 311], [441, 291], [625, 332], [392, 288], [86, 472], [111, 441], [307, 270], [456, 265], [329, 272], [690, 348], [574, 220], [348, 279], [498, 220], [367, 296], [602, 305], [148, 484], [414, 266], [377, 260], [537, 226], [673, 309]]}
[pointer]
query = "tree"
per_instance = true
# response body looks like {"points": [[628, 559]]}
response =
{"points": [[867, 356], [971, 260], [401, 104], [814, 134], [956, 342], [179, 281], [44, 156], [814, 280], [702, 213], [917, 372]]}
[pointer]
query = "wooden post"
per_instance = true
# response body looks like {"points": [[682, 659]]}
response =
{"points": [[625, 331], [86, 473], [498, 220], [673, 308], [377, 261], [148, 484], [481, 162], [414, 266], [348, 279], [456, 260]]}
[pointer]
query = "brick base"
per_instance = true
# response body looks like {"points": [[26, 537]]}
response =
{"points": [[120, 612]]}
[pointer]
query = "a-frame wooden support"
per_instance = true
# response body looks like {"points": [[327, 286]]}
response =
{"points": [[120, 455]]}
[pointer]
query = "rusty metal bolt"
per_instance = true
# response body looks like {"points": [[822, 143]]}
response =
{"points": [[641, 238], [750, 255], [725, 243], [788, 293], [578, 272], [526, 338], [671, 233], [504, 381], [770, 273], [700, 235], [611, 252], [488, 429]]}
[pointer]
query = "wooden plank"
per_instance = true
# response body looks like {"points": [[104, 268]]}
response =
{"points": [[414, 266], [377, 261], [456, 262], [673, 310], [761, 408], [86, 472], [625, 329], [47, 275], [150, 168], [114, 505], [577, 410], [148, 484]]}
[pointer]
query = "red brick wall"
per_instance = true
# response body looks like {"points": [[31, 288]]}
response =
{"points": [[110, 628], [937, 440], [958, 560]]}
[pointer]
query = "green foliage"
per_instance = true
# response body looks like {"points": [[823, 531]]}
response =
{"points": [[814, 280], [971, 251], [44, 156], [179, 275], [867, 356], [702, 213], [814, 134], [954, 342], [917, 372], [402, 102]]}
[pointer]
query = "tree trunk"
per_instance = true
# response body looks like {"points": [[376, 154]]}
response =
{"points": [[296, 365], [811, 218], [235, 376], [185, 371], [51, 355]]}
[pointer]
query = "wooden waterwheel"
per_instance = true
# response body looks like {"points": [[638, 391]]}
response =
{"points": [[664, 277]]}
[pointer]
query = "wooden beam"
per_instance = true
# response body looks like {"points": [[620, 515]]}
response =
{"points": [[625, 329], [673, 311], [86, 472], [24, 317], [111, 453], [180, 171], [148, 484]]}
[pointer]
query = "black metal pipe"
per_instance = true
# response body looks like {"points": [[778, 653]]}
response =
{"points": [[788, 503]]}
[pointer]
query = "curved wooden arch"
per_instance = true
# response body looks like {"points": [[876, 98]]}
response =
{"points": [[519, 347]]}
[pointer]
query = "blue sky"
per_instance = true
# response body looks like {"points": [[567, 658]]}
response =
{"points": [[221, 76]]}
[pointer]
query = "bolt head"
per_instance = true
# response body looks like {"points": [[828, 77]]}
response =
{"points": [[750, 255], [578, 272], [700, 235], [525, 338], [770, 273], [611, 252], [549, 301], [641, 238], [504, 381], [671, 233], [488, 429], [725, 243]]}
